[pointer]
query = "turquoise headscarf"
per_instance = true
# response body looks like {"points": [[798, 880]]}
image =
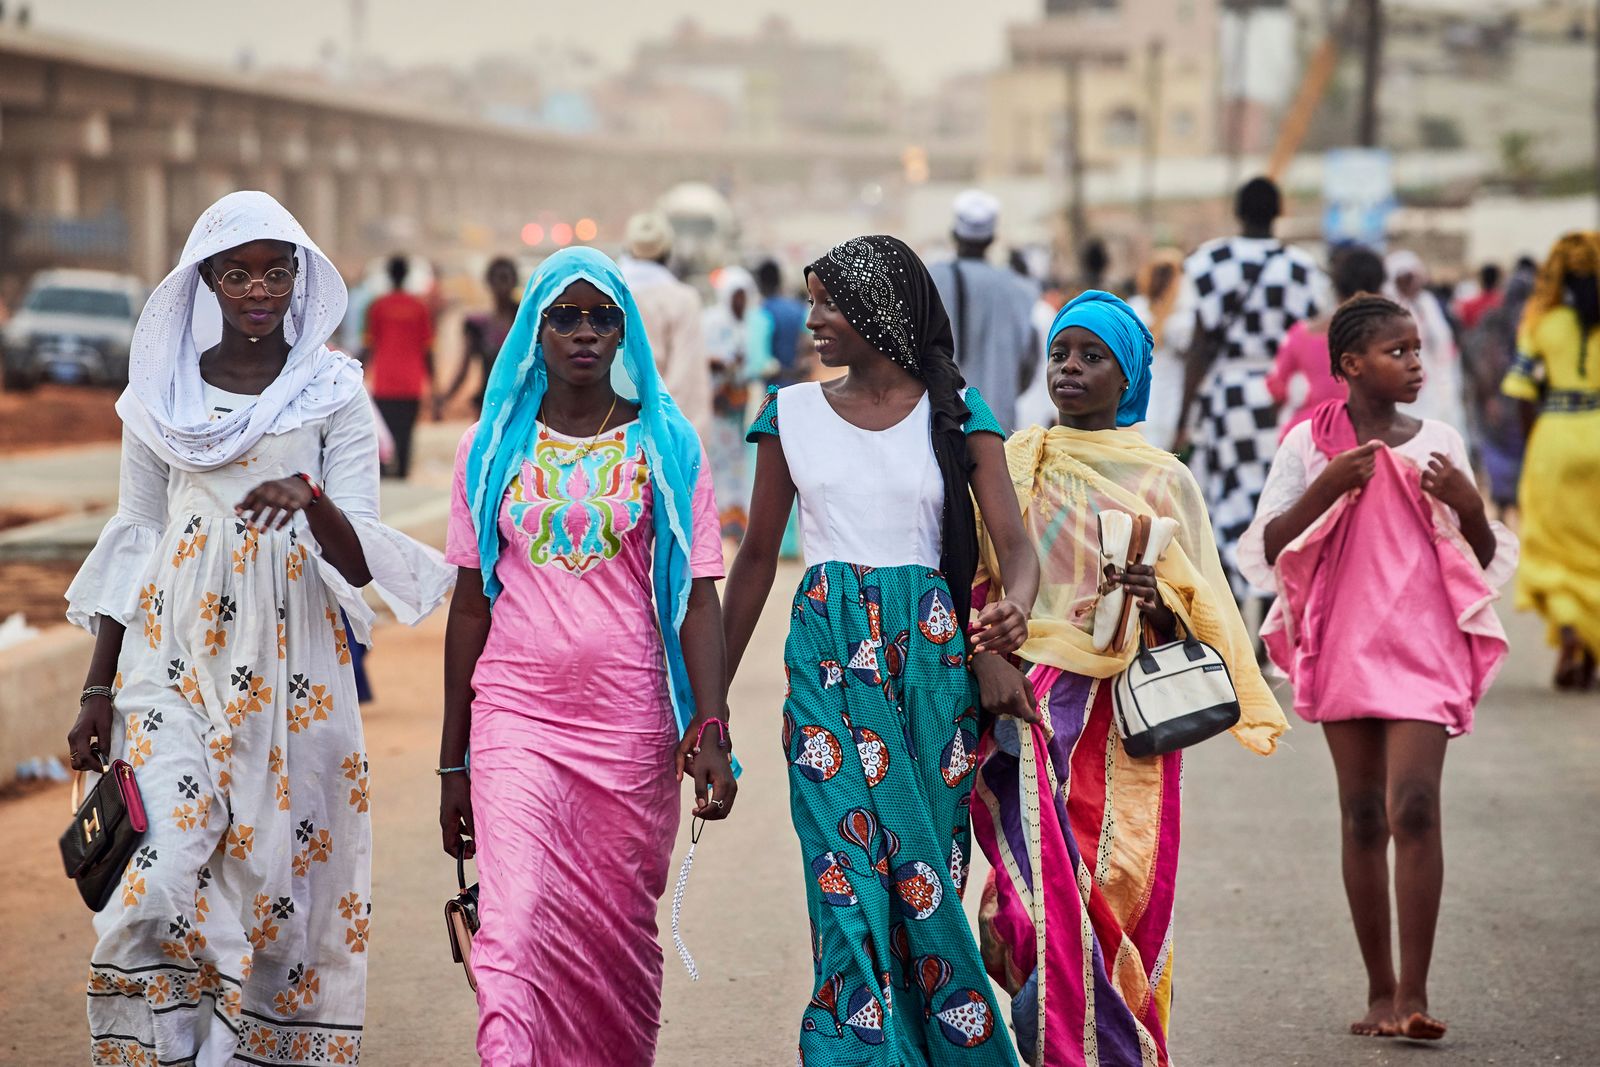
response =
{"points": [[507, 430], [1109, 318]]}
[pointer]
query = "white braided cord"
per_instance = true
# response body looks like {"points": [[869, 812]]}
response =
{"points": [[677, 908]]}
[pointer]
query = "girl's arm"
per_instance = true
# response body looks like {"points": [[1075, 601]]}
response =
{"points": [[699, 753], [754, 568], [464, 639], [1347, 471], [1448, 481], [1002, 625]]}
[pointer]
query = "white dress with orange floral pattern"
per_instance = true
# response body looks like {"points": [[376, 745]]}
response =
{"points": [[240, 929]]}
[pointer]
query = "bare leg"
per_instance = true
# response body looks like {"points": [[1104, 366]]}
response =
{"points": [[1360, 762], [1416, 764]]}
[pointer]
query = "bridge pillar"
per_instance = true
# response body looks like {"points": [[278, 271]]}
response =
{"points": [[314, 200], [148, 255], [55, 186]]}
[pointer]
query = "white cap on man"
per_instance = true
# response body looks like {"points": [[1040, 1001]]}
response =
{"points": [[648, 235], [976, 215]]}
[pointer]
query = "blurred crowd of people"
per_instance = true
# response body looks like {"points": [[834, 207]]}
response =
{"points": [[1240, 328]]}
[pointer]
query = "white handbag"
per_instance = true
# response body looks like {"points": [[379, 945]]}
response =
{"points": [[1173, 696]]}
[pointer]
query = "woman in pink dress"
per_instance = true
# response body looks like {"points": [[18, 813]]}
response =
{"points": [[1303, 356], [583, 661], [1374, 536]]}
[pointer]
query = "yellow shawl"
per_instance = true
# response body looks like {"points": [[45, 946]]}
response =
{"points": [[1064, 478]]}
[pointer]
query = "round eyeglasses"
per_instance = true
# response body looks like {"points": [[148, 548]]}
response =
{"points": [[236, 283]]}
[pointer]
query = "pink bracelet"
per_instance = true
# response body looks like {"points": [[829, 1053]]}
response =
{"points": [[723, 743]]}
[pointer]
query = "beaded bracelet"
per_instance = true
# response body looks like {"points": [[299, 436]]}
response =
{"points": [[442, 771], [96, 691], [724, 741]]}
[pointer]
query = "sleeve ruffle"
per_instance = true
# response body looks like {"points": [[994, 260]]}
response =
{"points": [[410, 578], [108, 583]]}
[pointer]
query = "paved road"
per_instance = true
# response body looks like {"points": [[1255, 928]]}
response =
{"points": [[1267, 967]]}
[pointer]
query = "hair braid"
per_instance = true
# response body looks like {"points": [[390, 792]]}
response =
{"points": [[1355, 323]]}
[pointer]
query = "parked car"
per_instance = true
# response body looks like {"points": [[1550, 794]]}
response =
{"points": [[72, 326]]}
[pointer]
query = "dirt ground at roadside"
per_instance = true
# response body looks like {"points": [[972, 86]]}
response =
{"points": [[36, 590], [54, 415]]}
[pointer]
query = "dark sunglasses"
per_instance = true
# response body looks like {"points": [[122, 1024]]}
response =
{"points": [[605, 319]]}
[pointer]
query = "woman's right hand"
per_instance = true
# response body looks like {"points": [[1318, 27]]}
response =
{"points": [[92, 730], [455, 815], [1352, 469], [1004, 690]]}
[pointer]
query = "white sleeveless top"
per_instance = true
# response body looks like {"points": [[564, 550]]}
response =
{"points": [[872, 497]]}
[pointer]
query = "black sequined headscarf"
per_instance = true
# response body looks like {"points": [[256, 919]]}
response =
{"points": [[885, 292]]}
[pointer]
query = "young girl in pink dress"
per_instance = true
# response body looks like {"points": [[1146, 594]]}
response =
{"points": [[1385, 564]]}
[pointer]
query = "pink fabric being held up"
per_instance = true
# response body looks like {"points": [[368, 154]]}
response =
{"points": [[1303, 354], [1384, 611]]}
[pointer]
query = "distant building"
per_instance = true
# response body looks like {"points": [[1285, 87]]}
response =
{"points": [[774, 82], [1129, 54], [1196, 77]]}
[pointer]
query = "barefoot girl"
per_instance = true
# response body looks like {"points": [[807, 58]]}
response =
{"points": [[1385, 563]]}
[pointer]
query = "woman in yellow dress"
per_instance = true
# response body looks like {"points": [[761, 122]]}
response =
{"points": [[1557, 378]]}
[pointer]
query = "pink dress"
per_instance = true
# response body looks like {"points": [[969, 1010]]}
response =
{"points": [[1383, 611], [1303, 355], [574, 798]]}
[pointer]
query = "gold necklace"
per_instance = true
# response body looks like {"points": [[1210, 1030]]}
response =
{"points": [[577, 452]]}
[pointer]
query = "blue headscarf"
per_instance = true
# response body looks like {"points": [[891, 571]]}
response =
{"points": [[1109, 318], [507, 430]]}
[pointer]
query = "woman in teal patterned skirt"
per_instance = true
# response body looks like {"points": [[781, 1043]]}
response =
{"points": [[880, 725]]}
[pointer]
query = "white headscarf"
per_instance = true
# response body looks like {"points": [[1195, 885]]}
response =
{"points": [[727, 335], [1441, 397], [164, 404]]}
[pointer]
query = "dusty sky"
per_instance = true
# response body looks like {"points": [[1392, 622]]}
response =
{"points": [[921, 41]]}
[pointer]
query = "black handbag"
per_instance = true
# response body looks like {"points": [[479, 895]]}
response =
{"points": [[106, 827], [461, 921]]}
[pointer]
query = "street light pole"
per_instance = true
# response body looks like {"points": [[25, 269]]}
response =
{"points": [[1371, 71], [1076, 221], [1152, 131]]}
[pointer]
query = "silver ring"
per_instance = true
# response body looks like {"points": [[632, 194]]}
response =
{"points": [[717, 803]]}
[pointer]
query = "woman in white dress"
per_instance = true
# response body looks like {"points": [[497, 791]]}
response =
{"points": [[247, 519]]}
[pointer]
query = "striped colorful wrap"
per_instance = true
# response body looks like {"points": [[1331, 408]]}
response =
{"points": [[1084, 841]]}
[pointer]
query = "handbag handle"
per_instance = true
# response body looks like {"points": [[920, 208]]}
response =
{"points": [[1192, 648], [461, 867], [76, 799]]}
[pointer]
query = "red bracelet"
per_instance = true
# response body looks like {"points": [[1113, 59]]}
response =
{"points": [[316, 490]]}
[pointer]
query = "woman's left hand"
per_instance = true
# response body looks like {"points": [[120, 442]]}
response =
{"points": [[1002, 627], [271, 505], [1139, 580], [711, 767]]}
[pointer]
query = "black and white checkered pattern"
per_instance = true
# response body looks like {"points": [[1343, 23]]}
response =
{"points": [[1236, 431]]}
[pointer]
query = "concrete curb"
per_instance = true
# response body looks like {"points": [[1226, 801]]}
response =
{"points": [[41, 678]]}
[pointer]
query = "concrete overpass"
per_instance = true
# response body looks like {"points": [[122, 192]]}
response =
{"points": [[107, 157]]}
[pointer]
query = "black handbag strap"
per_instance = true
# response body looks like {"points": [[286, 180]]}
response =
{"points": [[461, 868]]}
